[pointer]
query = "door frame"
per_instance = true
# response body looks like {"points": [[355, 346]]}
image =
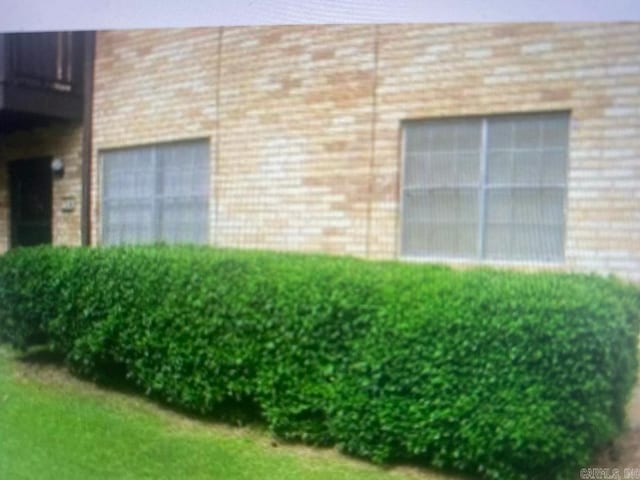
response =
{"points": [[12, 167]]}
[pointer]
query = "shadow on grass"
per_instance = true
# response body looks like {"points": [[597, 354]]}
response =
{"points": [[112, 378], [41, 356]]}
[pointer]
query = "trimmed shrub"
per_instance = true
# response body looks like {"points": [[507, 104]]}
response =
{"points": [[498, 374]]}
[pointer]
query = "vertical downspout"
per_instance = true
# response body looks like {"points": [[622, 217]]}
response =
{"points": [[216, 160], [372, 152], [87, 130]]}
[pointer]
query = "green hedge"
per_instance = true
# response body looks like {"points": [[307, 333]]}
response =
{"points": [[499, 374]]}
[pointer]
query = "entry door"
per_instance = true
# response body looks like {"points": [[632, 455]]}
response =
{"points": [[31, 185]]}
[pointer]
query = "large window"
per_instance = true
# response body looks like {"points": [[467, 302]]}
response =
{"points": [[485, 187], [156, 193]]}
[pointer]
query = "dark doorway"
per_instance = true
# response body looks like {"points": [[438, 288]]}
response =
{"points": [[30, 184]]}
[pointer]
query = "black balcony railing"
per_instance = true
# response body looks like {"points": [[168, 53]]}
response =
{"points": [[45, 60], [42, 73]]}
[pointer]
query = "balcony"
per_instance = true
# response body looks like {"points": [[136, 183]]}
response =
{"points": [[41, 78]]}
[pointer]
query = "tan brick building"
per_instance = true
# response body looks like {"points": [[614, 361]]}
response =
{"points": [[514, 145]]}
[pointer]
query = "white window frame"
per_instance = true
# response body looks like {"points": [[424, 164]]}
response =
{"points": [[154, 197], [479, 258]]}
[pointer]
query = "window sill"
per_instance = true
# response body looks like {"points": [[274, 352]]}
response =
{"points": [[472, 263]]}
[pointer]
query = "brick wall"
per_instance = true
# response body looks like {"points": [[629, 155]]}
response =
{"points": [[304, 121], [294, 139], [55, 141], [152, 86], [591, 70]]}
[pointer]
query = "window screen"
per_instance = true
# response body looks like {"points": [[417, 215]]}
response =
{"points": [[485, 188], [156, 193]]}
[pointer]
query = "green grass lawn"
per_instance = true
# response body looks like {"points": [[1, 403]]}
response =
{"points": [[53, 426]]}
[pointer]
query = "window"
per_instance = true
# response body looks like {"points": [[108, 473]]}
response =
{"points": [[157, 193], [485, 188]]}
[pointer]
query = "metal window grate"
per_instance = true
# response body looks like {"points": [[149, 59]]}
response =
{"points": [[157, 193], [485, 188]]}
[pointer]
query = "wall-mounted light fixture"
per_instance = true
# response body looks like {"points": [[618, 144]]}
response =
{"points": [[57, 166]]}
